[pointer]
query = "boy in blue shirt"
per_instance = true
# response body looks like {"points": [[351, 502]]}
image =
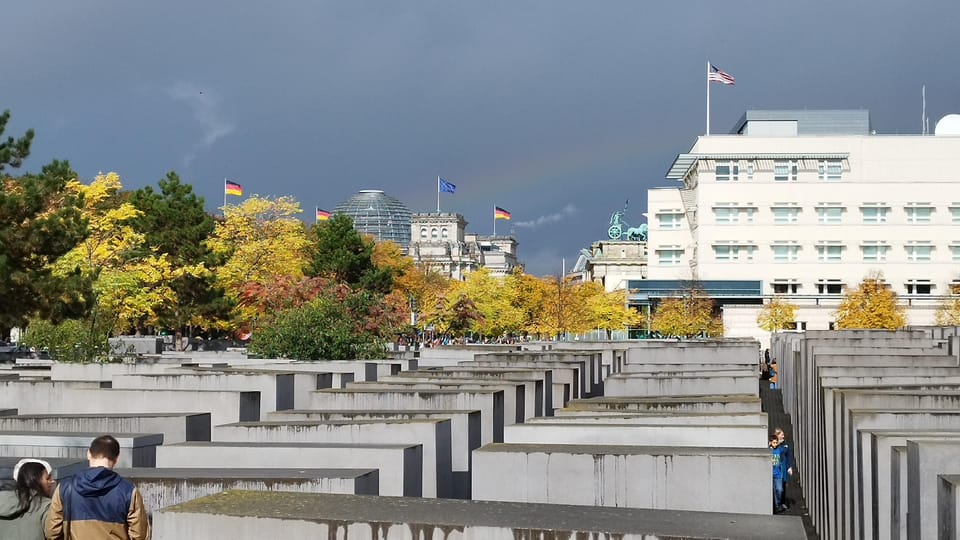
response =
{"points": [[779, 473]]}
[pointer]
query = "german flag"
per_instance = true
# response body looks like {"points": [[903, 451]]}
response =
{"points": [[232, 188], [500, 213], [322, 215]]}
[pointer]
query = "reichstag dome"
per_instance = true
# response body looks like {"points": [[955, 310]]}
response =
{"points": [[374, 212]]}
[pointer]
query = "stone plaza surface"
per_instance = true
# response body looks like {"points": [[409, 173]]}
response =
{"points": [[510, 425]]}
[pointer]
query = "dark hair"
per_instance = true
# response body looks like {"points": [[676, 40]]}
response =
{"points": [[29, 484], [105, 446]]}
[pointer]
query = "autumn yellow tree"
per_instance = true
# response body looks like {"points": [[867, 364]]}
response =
{"points": [[129, 283], [872, 305], [689, 315], [948, 313], [777, 314], [608, 310], [526, 294], [261, 241]]}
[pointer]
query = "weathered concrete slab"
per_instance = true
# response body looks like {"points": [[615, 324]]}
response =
{"points": [[399, 465], [948, 504], [136, 449], [465, 432], [542, 380], [59, 397], [669, 478], [489, 402], [246, 515], [681, 385], [686, 404], [276, 389], [175, 427], [166, 487], [616, 417], [662, 434], [432, 434], [926, 461]]}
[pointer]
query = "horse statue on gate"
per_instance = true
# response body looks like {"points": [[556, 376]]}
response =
{"points": [[619, 228], [637, 234]]}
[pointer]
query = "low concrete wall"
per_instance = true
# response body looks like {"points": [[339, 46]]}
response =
{"points": [[245, 515], [400, 465], [166, 487], [688, 404], [663, 434], [136, 450], [669, 478], [432, 434], [685, 385], [276, 389], [174, 427]]}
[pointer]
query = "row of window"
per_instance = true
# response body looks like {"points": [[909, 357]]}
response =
{"points": [[836, 286], [788, 251], [433, 233], [829, 170], [827, 213]]}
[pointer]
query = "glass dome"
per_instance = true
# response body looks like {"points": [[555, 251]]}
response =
{"points": [[374, 212]]}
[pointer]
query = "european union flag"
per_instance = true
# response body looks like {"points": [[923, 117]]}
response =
{"points": [[447, 187]]}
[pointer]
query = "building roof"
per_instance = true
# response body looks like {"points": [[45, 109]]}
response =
{"points": [[812, 122], [684, 162]]}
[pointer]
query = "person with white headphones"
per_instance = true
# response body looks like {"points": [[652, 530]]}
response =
{"points": [[24, 509]]}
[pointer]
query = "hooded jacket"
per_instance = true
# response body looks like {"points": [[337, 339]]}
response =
{"points": [[27, 525], [97, 503]]}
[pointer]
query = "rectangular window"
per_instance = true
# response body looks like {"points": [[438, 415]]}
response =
{"points": [[955, 213], [669, 257], [728, 171], [749, 170], [669, 221], [874, 214], [785, 286], [732, 214], [919, 214], [829, 252], [955, 253], [829, 286], [829, 214], [785, 252], [732, 253], [919, 286], [874, 251], [783, 215], [785, 171], [919, 252], [829, 170]]}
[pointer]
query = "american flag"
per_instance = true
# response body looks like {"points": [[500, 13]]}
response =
{"points": [[718, 75]]}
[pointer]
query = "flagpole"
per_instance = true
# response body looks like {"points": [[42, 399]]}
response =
{"points": [[708, 97], [224, 197], [438, 193], [494, 221]]}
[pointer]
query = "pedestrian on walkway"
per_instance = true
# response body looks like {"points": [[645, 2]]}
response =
{"points": [[98, 503], [23, 510], [788, 464], [779, 472]]}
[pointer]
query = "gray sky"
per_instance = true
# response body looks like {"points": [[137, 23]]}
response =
{"points": [[555, 110]]}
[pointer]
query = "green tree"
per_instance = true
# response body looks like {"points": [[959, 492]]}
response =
{"points": [[344, 255], [872, 305], [175, 223], [340, 324], [778, 314], [13, 151], [40, 221]]}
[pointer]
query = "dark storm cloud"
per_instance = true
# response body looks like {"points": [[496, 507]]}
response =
{"points": [[534, 106]]}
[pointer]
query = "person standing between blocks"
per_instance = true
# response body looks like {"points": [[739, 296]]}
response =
{"points": [[787, 455], [98, 503], [776, 455]]}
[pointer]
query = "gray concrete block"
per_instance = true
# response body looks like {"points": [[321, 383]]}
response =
{"points": [[167, 487], [242, 515], [926, 461], [136, 449], [669, 478], [663, 434], [175, 427], [399, 465]]}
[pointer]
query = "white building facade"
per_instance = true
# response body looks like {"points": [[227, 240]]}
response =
{"points": [[806, 204], [439, 241]]}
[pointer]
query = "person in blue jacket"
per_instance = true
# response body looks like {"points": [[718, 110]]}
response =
{"points": [[788, 462], [779, 473]]}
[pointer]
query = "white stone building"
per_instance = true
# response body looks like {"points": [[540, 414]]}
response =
{"points": [[806, 204], [439, 241]]}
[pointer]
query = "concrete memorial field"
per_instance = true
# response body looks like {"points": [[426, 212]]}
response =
{"points": [[446, 438]]}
